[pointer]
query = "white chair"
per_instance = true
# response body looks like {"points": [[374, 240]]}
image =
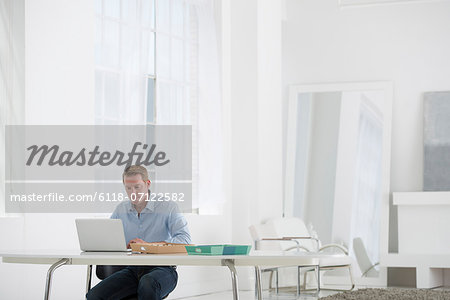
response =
{"points": [[291, 234], [364, 263], [256, 232], [267, 244]]}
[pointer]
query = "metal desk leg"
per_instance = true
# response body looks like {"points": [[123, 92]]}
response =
{"points": [[230, 264], [258, 283], [52, 268], [88, 278]]}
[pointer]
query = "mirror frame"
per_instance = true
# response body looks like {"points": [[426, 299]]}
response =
{"points": [[387, 87]]}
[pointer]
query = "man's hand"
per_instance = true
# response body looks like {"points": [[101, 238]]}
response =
{"points": [[136, 240]]}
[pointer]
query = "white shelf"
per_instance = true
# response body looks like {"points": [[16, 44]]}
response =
{"points": [[422, 198], [416, 260]]}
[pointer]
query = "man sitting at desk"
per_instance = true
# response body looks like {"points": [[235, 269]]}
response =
{"points": [[147, 221]]}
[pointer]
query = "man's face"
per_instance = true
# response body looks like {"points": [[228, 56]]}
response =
{"points": [[136, 188]]}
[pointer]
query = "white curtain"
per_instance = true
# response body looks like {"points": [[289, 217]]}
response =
{"points": [[204, 110], [121, 63], [134, 65], [367, 189], [12, 76], [209, 116]]}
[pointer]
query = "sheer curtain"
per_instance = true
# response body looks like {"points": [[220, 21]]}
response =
{"points": [[209, 116], [12, 75], [198, 102], [204, 108], [367, 189], [122, 40]]}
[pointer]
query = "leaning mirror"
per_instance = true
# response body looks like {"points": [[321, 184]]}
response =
{"points": [[338, 166]]}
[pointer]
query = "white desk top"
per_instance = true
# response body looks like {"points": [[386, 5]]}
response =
{"points": [[256, 258]]}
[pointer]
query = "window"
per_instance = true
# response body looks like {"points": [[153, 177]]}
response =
{"points": [[124, 59], [148, 70], [145, 62]]}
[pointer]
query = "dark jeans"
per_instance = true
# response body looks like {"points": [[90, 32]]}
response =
{"points": [[148, 282]]}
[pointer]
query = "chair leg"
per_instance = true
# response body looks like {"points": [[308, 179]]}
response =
{"points": [[270, 279], [351, 280], [305, 277], [318, 279], [256, 284], [276, 281], [351, 277]]}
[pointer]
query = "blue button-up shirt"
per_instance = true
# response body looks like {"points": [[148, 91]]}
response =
{"points": [[158, 221]]}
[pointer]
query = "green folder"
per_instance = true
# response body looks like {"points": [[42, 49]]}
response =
{"points": [[218, 249]]}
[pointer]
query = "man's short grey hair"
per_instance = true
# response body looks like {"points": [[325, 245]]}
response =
{"points": [[135, 170]]}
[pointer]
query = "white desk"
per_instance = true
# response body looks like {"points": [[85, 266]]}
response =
{"points": [[255, 259]]}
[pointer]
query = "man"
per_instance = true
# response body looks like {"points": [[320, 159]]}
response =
{"points": [[144, 221]]}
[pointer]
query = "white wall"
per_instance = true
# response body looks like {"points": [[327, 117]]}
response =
{"points": [[408, 44], [59, 60]]}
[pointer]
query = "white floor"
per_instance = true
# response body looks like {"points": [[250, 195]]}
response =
{"points": [[250, 295]]}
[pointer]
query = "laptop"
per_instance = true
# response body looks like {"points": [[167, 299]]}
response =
{"points": [[101, 235]]}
